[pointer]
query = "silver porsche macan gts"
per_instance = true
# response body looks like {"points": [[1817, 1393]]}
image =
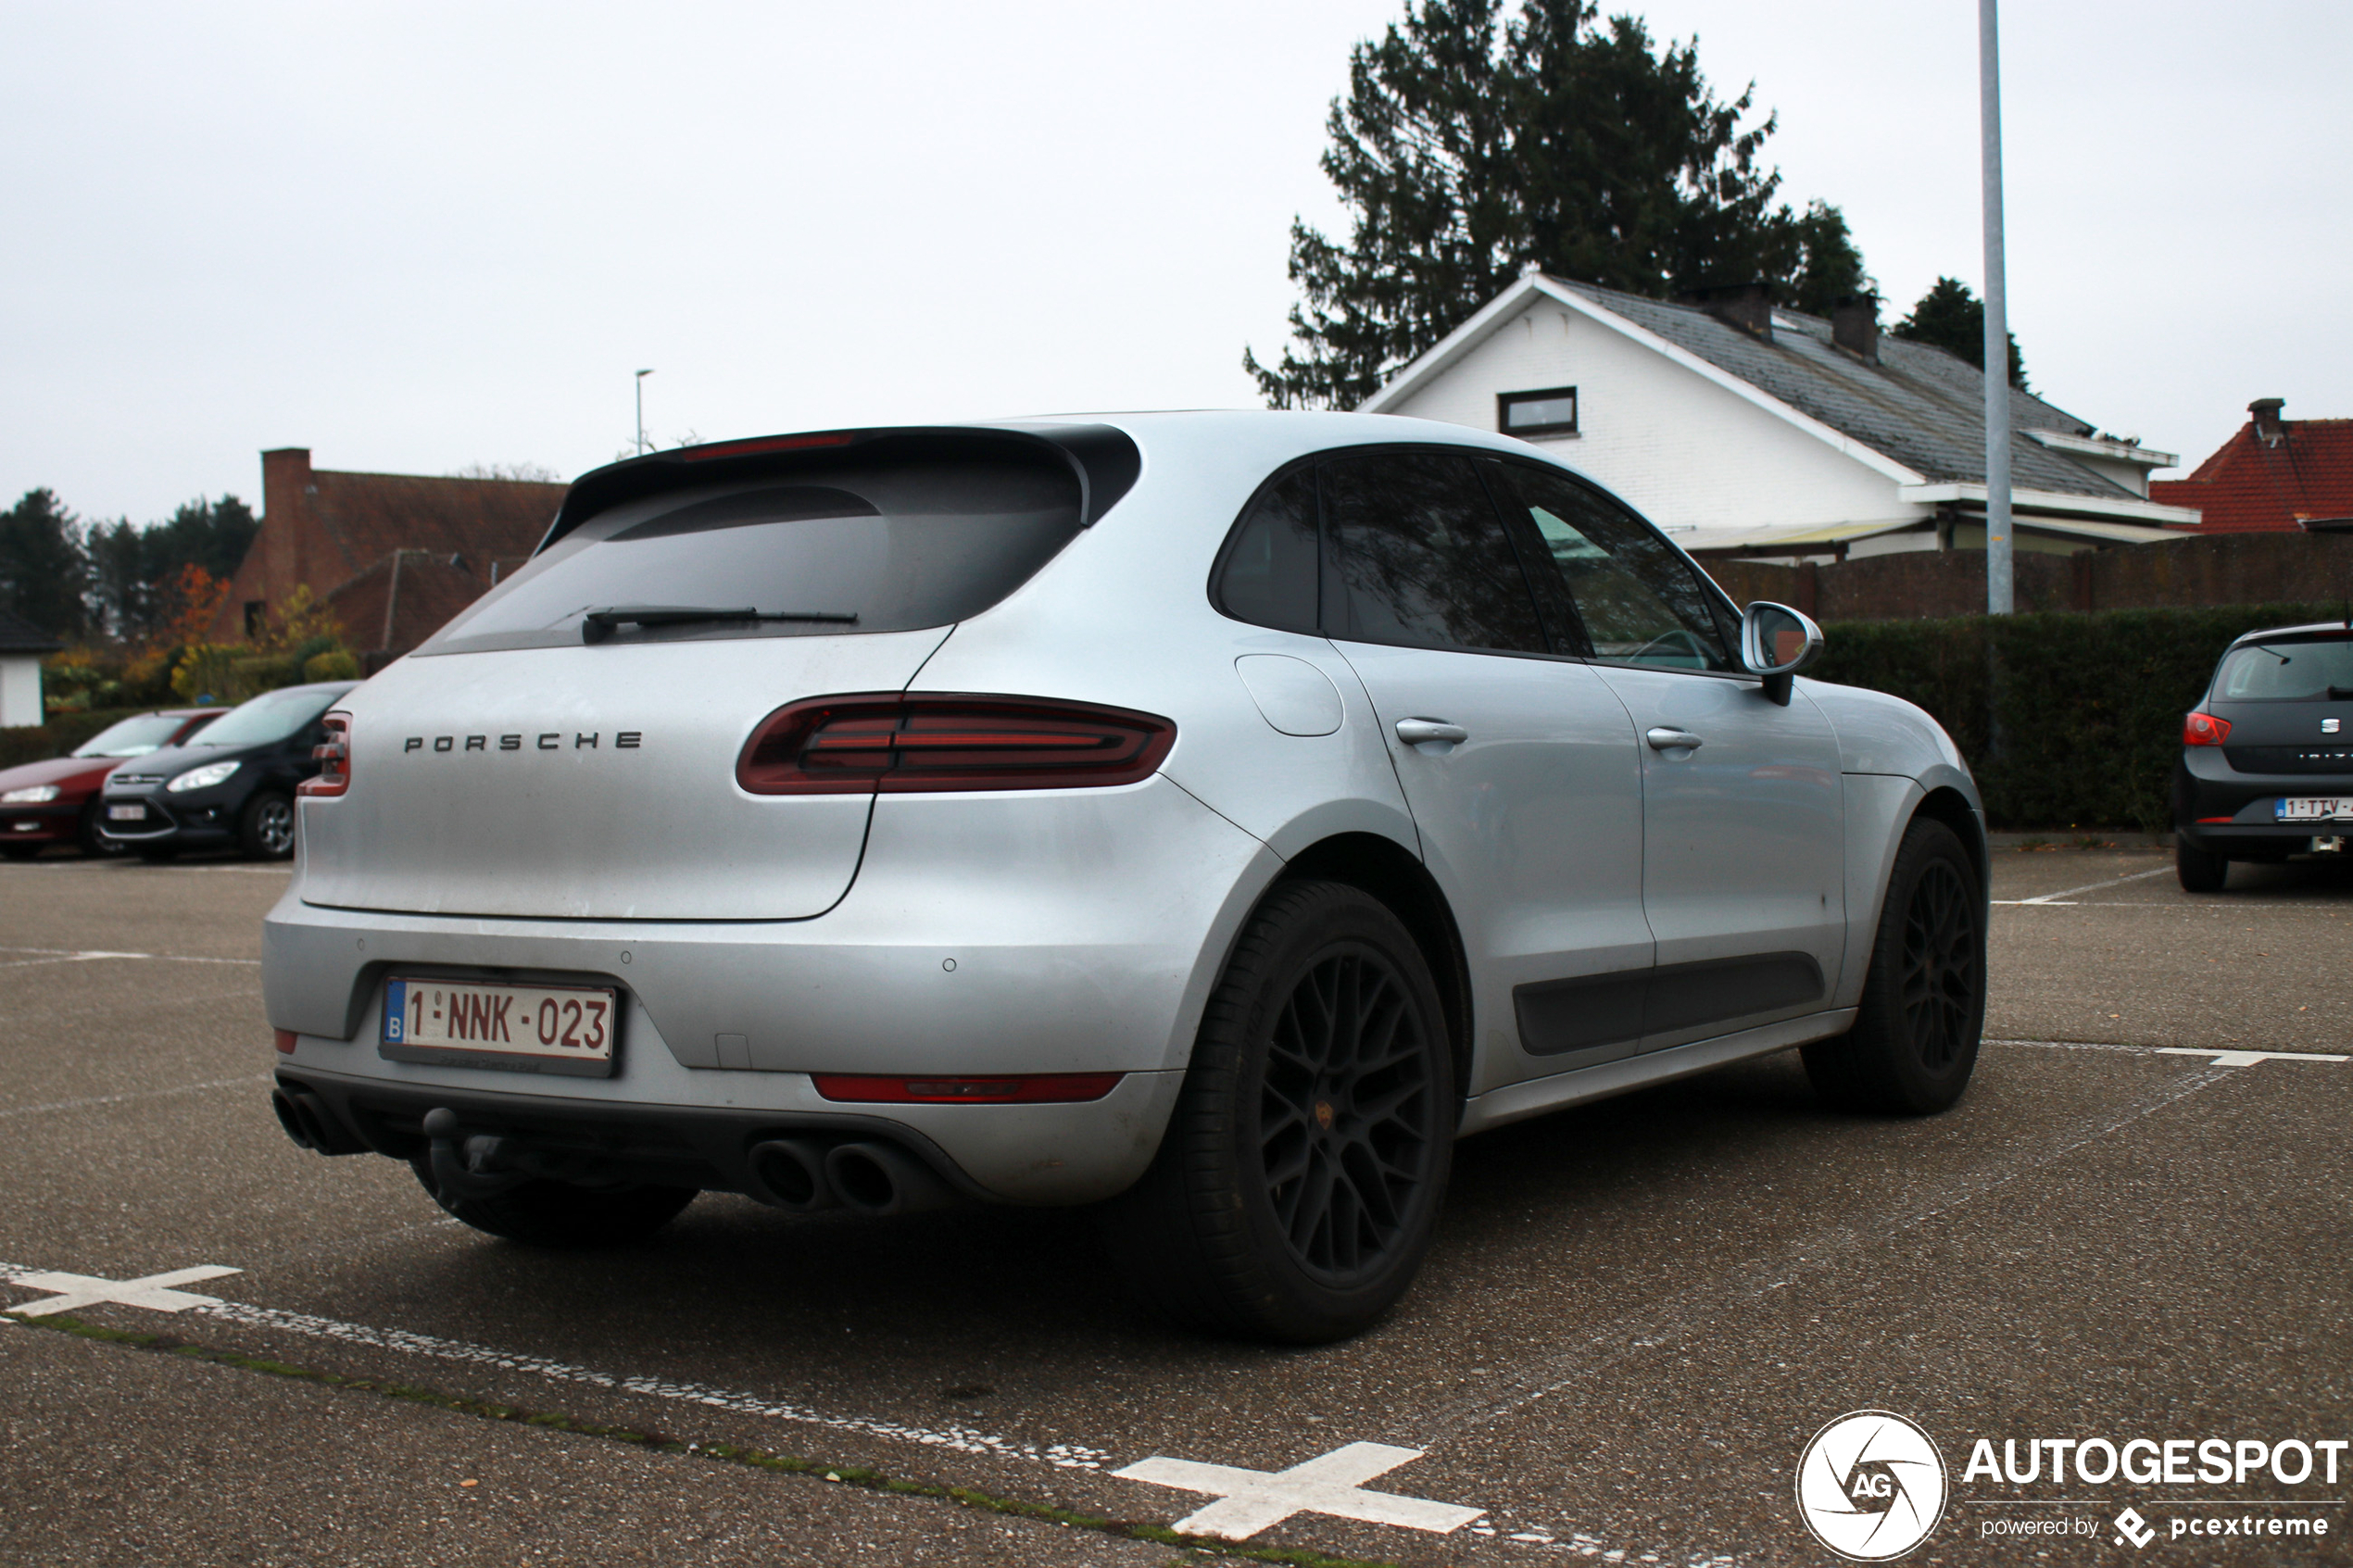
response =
{"points": [[1210, 817]]}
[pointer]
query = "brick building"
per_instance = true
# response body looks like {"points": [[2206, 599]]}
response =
{"points": [[395, 555], [2275, 476]]}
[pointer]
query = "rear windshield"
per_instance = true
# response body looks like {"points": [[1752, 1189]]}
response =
{"points": [[870, 547], [2285, 671], [271, 716], [132, 737]]}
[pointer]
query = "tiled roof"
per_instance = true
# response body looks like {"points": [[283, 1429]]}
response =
{"points": [[20, 636], [405, 597], [370, 515], [1921, 406], [2251, 487]]}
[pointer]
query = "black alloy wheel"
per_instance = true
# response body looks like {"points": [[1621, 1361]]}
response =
{"points": [[266, 828], [1299, 1182], [1345, 1109], [1914, 1042]]}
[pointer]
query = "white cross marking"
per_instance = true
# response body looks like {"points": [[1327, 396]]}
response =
{"points": [[1251, 1501], [2242, 1059], [76, 1291]]}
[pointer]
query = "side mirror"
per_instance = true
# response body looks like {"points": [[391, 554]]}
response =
{"points": [[1776, 642]]}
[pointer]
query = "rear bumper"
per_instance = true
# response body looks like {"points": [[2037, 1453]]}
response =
{"points": [[983, 935], [2226, 812], [699, 1134]]}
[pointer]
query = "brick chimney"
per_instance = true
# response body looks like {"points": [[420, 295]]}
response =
{"points": [[1748, 306], [2270, 429], [1855, 325], [286, 490]]}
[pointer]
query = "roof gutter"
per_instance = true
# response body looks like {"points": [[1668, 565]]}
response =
{"points": [[2056, 503]]}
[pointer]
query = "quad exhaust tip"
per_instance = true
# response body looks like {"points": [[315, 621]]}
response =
{"points": [[871, 1179]]}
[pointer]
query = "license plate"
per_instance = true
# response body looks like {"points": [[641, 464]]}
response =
{"points": [[126, 813], [2320, 809], [563, 1029]]}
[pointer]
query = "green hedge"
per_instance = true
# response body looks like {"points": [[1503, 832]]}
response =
{"points": [[36, 742], [2090, 707]]}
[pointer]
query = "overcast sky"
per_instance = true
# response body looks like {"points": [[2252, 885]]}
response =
{"points": [[418, 237]]}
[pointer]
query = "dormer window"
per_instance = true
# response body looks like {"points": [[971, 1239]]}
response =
{"points": [[1550, 412]]}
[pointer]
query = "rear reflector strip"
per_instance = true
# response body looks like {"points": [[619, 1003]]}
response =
{"points": [[2204, 821], [901, 742], [1011, 1088]]}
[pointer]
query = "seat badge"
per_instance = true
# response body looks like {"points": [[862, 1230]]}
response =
{"points": [[2328, 726]]}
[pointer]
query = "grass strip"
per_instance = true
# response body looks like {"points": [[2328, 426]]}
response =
{"points": [[724, 1453]]}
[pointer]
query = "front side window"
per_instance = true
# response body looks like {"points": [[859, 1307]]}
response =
{"points": [[1641, 602], [2285, 671], [1415, 554]]}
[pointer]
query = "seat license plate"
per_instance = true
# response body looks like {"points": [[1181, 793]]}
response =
{"points": [[126, 813], [2319, 809], [562, 1029]]}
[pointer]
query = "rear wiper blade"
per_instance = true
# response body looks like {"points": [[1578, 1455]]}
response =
{"points": [[598, 624]]}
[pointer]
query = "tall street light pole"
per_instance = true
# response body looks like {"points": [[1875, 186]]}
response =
{"points": [[641, 396], [1998, 598]]}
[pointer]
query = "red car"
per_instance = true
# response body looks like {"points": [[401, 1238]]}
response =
{"points": [[57, 802]]}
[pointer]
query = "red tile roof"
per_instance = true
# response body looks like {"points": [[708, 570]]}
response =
{"points": [[2249, 485]]}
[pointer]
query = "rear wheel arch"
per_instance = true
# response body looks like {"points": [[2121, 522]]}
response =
{"points": [[1390, 873]]}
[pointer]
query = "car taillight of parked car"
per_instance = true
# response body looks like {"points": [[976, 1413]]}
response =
{"points": [[2204, 729], [333, 757], [901, 743]]}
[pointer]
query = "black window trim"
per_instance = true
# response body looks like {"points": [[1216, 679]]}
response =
{"points": [[1506, 401]]}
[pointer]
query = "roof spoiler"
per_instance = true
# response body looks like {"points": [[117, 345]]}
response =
{"points": [[1103, 460]]}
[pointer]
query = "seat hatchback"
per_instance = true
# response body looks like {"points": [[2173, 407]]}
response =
{"points": [[2267, 755], [1207, 817]]}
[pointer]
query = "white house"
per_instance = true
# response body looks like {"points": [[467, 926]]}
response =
{"points": [[1748, 430], [22, 645]]}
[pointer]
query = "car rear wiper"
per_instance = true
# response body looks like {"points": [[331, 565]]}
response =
{"points": [[598, 624]]}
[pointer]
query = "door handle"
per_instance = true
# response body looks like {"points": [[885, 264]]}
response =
{"points": [[1664, 739], [1421, 732]]}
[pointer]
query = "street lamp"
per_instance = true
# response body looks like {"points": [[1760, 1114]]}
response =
{"points": [[1998, 599], [641, 410]]}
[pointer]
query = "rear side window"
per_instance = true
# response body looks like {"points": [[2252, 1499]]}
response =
{"points": [[898, 545], [1416, 554], [1268, 578], [2288, 671]]}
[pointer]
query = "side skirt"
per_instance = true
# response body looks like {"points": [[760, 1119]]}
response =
{"points": [[1516, 1102]]}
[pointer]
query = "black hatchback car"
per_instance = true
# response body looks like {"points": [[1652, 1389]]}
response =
{"points": [[2267, 755], [231, 785]]}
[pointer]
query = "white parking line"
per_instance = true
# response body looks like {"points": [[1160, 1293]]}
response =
{"points": [[2222, 1055], [963, 1439], [2067, 895], [87, 955], [130, 1094]]}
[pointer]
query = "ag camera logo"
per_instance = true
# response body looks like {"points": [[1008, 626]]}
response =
{"points": [[1870, 1485]]}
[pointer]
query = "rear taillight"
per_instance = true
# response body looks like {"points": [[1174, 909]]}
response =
{"points": [[901, 742], [2204, 729], [333, 758], [1004, 1088]]}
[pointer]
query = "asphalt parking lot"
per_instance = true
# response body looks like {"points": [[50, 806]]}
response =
{"points": [[2133, 1225]]}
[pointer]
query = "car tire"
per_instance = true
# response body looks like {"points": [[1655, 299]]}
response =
{"points": [[159, 854], [545, 1213], [2199, 871], [265, 827], [1915, 1038], [94, 844], [1299, 1182]]}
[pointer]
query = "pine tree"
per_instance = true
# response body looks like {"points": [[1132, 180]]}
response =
{"points": [[43, 565], [1950, 318], [1470, 146]]}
